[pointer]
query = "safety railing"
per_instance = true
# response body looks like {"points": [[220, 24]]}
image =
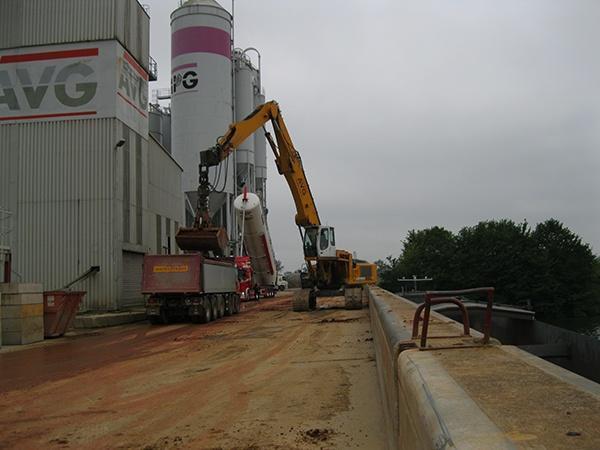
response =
{"points": [[439, 297]]}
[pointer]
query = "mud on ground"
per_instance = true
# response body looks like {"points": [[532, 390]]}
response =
{"points": [[266, 378]]}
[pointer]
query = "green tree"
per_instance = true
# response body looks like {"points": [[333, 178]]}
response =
{"points": [[566, 278], [278, 265], [430, 252], [388, 272], [549, 268], [495, 253]]}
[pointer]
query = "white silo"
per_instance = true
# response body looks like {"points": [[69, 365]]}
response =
{"points": [[245, 80], [201, 96]]}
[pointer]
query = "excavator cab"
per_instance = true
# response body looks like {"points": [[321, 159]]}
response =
{"points": [[319, 242]]}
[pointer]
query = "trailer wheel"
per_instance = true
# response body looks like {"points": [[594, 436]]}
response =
{"points": [[228, 304], [312, 301], [221, 306], [164, 316], [155, 320], [206, 311], [215, 308], [207, 316], [197, 318], [236, 304]]}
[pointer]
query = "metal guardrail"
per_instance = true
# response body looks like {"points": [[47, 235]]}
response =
{"points": [[437, 297]]}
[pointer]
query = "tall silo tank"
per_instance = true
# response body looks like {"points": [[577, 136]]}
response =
{"points": [[260, 156], [201, 86], [155, 124], [244, 105], [260, 144]]}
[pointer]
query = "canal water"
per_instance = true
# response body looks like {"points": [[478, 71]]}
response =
{"points": [[589, 326]]}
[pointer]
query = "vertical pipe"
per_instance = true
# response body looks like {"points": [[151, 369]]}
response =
{"points": [[426, 321], [234, 156], [7, 267], [487, 325]]}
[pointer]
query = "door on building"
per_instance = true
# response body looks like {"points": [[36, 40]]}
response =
{"points": [[131, 280]]}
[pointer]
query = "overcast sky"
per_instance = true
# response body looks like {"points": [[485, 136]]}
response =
{"points": [[415, 113]]}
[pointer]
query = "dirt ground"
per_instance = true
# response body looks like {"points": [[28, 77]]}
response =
{"points": [[266, 378]]}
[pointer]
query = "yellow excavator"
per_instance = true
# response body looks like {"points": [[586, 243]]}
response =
{"points": [[329, 269]]}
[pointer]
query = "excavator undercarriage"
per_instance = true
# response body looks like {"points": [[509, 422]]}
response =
{"points": [[306, 299]]}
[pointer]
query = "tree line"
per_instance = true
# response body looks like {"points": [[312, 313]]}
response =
{"points": [[547, 268]]}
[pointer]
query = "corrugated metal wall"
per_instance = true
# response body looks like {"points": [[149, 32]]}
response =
{"points": [[164, 187], [131, 281], [26, 23], [165, 199], [58, 178], [65, 184], [76, 199], [8, 183]]}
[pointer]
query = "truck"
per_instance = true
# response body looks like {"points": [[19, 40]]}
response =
{"points": [[281, 282], [248, 287], [190, 286], [255, 260]]}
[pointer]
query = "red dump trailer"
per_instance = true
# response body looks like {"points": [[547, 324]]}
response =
{"points": [[189, 286]]}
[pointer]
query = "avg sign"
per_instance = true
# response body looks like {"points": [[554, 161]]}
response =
{"points": [[53, 81], [73, 81], [48, 84]]}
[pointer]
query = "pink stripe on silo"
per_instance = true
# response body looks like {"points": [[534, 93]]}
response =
{"points": [[200, 40], [184, 66]]}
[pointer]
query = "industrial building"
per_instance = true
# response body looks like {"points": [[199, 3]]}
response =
{"points": [[82, 183], [91, 175]]}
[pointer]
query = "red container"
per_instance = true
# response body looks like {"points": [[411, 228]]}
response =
{"points": [[164, 274], [60, 308]]}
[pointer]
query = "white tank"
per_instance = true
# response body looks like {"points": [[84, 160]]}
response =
{"points": [[244, 105], [201, 86], [257, 239], [260, 156]]}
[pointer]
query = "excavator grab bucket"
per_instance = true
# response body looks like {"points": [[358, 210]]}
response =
{"points": [[203, 240]]}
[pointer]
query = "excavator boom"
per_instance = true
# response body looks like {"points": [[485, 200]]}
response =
{"points": [[287, 159]]}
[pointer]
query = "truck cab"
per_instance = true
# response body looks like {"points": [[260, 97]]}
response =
{"points": [[282, 283]]}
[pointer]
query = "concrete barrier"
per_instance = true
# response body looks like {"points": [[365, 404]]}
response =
{"points": [[424, 408], [22, 312], [389, 339]]}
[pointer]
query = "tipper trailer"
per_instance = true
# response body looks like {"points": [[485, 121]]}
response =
{"points": [[255, 260], [189, 286]]}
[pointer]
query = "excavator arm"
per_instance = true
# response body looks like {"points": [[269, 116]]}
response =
{"points": [[287, 159], [328, 267]]}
